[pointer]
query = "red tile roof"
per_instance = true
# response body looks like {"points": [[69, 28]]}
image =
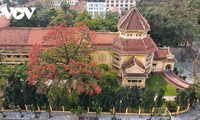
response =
{"points": [[22, 37], [132, 62], [104, 38], [4, 22], [36, 36], [14, 36], [32, 36], [132, 21], [162, 53], [134, 46]]}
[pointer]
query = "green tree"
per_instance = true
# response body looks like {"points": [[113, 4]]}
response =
{"points": [[13, 92], [82, 17], [25, 22], [134, 98], [17, 90], [44, 17], [166, 19], [192, 91], [109, 85], [112, 16], [147, 98], [97, 108], [121, 99], [160, 99], [55, 95], [98, 24], [182, 99], [65, 7], [62, 18], [79, 110]]}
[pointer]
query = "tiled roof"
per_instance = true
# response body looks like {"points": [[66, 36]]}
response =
{"points": [[134, 46], [32, 36], [4, 22], [14, 36], [36, 36], [104, 38], [162, 53], [132, 62], [21, 36], [132, 21]]}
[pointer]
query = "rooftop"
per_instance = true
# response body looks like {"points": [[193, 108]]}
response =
{"points": [[4, 22], [133, 21], [134, 46], [164, 54]]}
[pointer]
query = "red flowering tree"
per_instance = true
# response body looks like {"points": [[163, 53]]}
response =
{"points": [[66, 60]]}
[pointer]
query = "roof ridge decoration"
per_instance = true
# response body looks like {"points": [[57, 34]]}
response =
{"points": [[140, 20], [133, 61], [129, 20], [144, 45]]}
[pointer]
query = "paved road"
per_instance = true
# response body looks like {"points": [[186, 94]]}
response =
{"points": [[192, 114], [187, 65]]}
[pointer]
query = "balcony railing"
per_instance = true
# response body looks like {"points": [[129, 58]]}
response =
{"points": [[116, 64]]}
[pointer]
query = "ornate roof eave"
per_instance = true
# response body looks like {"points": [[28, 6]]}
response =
{"points": [[122, 30], [127, 53]]}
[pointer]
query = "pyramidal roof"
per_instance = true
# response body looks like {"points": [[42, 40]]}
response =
{"points": [[133, 21]]}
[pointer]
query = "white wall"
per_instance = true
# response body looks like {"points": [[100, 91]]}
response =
{"points": [[96, 9]]}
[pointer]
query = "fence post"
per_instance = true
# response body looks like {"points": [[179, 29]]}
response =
{"points": [[63, 108], [38, 108], [165, 111], [139, 110], [26, 107], [177, 111], [88, 109], [50, 108], [113, 109], [188, 106], [153, 110], [126, 110]]}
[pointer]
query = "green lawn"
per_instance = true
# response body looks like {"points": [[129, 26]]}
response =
{"points": [[156, 82]]}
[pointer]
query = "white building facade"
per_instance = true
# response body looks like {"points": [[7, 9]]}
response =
{"points": [[56, 4], [96, 9], [2, 5], [120, 4]]}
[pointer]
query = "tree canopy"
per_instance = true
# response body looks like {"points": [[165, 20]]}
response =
{"points": [[172, 21]]}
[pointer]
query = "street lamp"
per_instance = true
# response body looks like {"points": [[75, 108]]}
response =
{"points": [[120, 106]]}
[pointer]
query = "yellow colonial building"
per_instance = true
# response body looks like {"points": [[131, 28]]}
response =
{"points": [[130, 51]]}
